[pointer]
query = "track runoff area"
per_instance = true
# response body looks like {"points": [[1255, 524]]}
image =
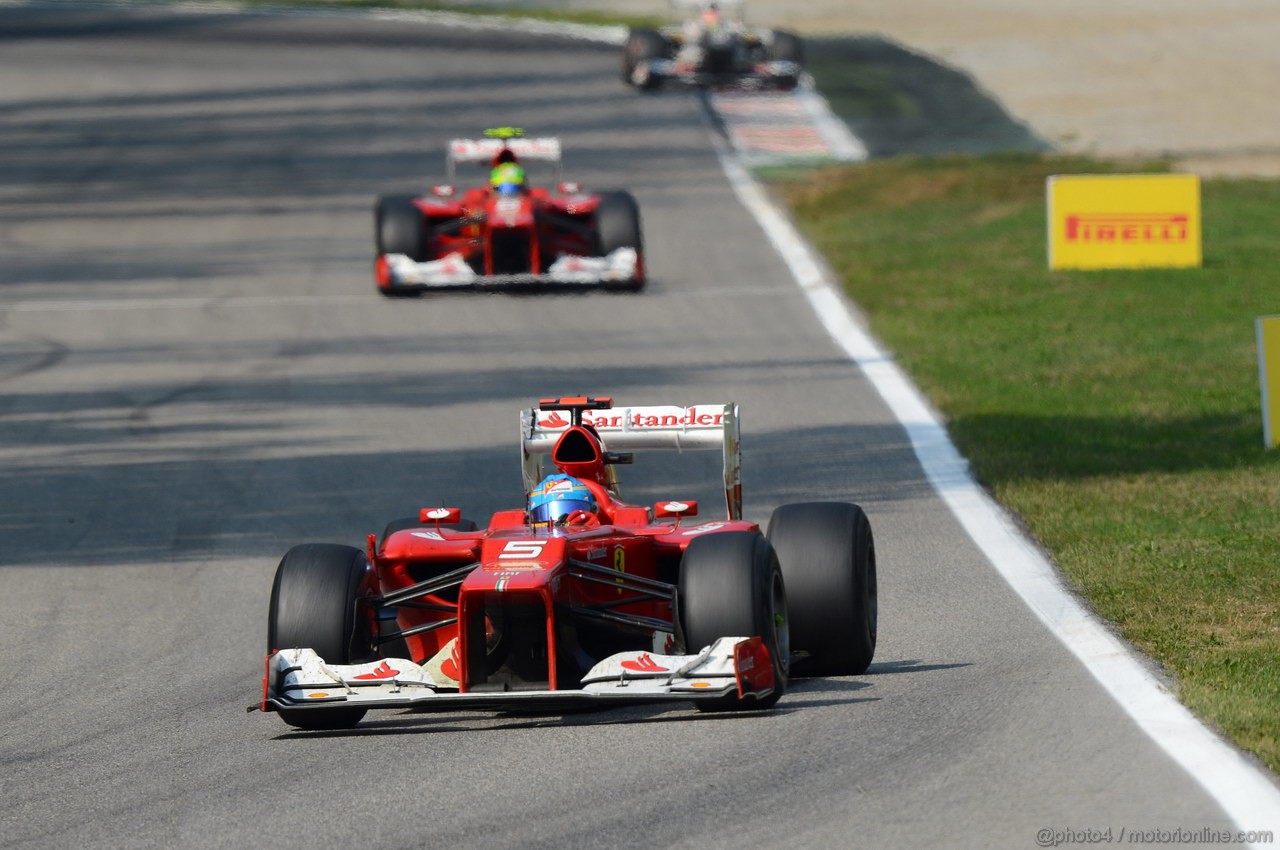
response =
{"points": [[755, 129], [1244, 791]]}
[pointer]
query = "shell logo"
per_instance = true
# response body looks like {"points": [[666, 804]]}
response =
{"points": [[382, 671], [317, 695], [644, 664], [452, 664]]}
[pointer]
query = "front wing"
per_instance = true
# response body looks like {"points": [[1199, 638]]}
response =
{"points": [[778, 74], [300, 679], [620, 267]]}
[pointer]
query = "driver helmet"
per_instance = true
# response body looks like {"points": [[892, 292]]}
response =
{"points": [[507, 178], [558, 496], [711, 16]]}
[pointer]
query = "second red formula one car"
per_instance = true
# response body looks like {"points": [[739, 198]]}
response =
{"points": [[507, 232], [577, 597]]}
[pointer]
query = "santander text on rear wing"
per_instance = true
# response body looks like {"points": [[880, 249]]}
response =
{"points": [[670, 427]]}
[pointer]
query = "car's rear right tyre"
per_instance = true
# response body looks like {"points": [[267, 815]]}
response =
{"points": [[786, 47], [315, 603], [828, 559], [730, 586]]}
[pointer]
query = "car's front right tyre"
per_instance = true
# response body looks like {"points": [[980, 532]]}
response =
{"points": [[316, 603], [730, 586]]}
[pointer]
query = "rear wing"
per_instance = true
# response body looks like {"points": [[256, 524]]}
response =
{"points": [[546, 149], [735, 8], [693, 428], [722, 5]]}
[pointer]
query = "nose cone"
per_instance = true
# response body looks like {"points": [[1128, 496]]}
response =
{"points": [[527, 561]]}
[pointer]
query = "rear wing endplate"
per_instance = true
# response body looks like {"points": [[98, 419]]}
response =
{"points": [[692, 428]]}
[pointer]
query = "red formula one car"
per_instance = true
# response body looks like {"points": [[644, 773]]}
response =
{"points": [[507, 233], [579, 598]]}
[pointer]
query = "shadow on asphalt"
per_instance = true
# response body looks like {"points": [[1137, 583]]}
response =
{"points": [[899, 102]]}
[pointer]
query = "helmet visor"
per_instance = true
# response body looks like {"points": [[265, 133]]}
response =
{"points": [[555, 511]]}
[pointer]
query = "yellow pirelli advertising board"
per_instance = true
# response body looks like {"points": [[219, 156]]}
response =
{"points": [[1124, 221], [1268, 329]]}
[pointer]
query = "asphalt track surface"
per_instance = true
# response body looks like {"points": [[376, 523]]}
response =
{"points": [[197, 373]]}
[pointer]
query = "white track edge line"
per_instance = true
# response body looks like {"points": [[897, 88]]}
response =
{"points": [[1243, 790]]}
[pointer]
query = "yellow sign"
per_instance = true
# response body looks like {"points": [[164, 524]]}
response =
{"points": [[1124, 221], [1268, 328]]}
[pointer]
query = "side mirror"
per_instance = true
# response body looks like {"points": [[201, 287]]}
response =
{"points": [[569, 188], [439, 515], [443, 191], [688, 507]]}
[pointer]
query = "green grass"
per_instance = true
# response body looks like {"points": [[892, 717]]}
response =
{"points": [[1117, 412]]}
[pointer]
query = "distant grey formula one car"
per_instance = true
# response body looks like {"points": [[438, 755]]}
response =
{"points": [[712, 47]]}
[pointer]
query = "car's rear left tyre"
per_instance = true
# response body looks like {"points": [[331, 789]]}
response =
{"points": [[316, 603], [618, 226], [828, 559], [731, 586]]}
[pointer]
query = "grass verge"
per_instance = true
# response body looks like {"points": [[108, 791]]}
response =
{"points": [[1117, 412]]}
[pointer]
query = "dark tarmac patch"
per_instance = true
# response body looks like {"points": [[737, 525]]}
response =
{"points": [[903, 103]]}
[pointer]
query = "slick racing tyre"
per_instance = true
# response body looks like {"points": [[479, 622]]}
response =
{"points": [[315, 603], [828, 560], [618, 226], [400, 227], [731, 586], [642, 45], [786, 47]]}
